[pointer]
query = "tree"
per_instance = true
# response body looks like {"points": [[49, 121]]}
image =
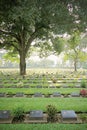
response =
{"points": [[74, 49], [26, 20], [23, 21]]}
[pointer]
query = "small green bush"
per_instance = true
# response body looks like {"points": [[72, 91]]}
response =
{"points": [[19, 113], [83, 84], [47, 95], [83, 117], [54, 80], [52, 112]]}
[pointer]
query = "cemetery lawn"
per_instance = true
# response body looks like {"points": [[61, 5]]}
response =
{"points": [[42, 90], [43, 126], [78, 104]]}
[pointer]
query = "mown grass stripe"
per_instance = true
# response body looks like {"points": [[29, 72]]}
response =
{"points": [[42, 90], [43, 127], [77, 104]]}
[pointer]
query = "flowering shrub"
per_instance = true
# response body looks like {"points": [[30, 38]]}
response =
{"points": [[83, 92]]}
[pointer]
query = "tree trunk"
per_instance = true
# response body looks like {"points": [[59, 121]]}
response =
{"points": [[75, 65], [23, 49], [22, 63]]}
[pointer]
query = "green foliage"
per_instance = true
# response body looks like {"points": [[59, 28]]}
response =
{"points": [[83, 84], [82, 56], [10, 56], [83, 117], [58, 45], [74, 40], [82, 13], [51, 111], [19, 113], [73, 46], [45, 48], [54, 80], [74, 49]]}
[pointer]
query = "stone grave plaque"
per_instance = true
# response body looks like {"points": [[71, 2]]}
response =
{"points": [[68, 115], [52, 86], [38, 95], [50, 81], [4, 114], [59, 81], [56, 94], [39, 86], [65, 86], [77, 86], [26, 86], [36, 115], [19, 94], [2, 94], [75, 94]]}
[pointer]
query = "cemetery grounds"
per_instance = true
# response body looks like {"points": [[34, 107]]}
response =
{"points": [[64, 89]]}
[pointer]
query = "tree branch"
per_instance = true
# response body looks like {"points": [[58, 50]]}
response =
{"points": [[10, 44], [10, 33], [15, 47], [32, 37]]}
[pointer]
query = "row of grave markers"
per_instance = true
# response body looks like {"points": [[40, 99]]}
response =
{"points": [[37, 94], [37, 116], [42, 86]]}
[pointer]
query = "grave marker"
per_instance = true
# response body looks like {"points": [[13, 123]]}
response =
{"points": [[68, 115], [2, 94], [52, 87], [19, 94], [4, 114], [39, 86], [75, 94], [56, 94], [38, 95], [36, 115]]}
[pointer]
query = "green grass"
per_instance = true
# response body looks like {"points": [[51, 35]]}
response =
{"points": [[77, 104], [43, 126], [42, 90]]}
